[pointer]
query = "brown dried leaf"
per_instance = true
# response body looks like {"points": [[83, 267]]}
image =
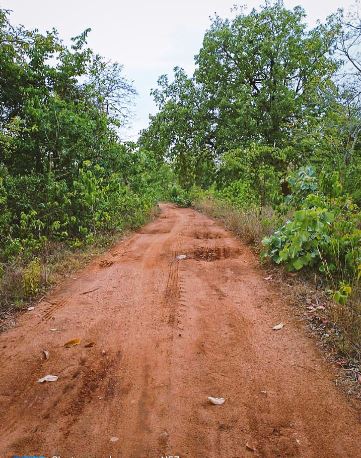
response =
{"points": [[72, 343]]}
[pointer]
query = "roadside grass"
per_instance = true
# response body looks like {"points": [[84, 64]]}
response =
{"points": [[23, 282], [249, 225], [337, 325]]}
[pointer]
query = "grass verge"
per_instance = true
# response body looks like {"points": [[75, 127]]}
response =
{"points": [[249, 225]]}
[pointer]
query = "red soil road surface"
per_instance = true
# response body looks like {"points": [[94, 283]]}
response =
{"points": [[167, 334]]}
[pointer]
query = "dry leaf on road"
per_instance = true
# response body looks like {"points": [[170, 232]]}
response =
{"points": [[278, 327], [48, 378], [72, 343]]}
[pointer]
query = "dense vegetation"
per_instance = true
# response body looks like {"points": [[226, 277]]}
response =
{"points": [[65, 177]]}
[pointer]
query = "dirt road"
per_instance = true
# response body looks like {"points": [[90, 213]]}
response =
{"points": [[158, 336]]}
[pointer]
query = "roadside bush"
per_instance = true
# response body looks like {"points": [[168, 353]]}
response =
{"points": [[324, 232], [39, 211], [180, 196]]}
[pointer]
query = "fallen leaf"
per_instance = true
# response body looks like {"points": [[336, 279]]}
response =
{"points": [[278, 327], [72, 343], [31, 308], [48, 378], [250, 448], [216, 401], [181, 256], [89, 345], [46, 354], [114, 439]]}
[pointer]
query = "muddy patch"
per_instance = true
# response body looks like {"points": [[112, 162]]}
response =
{"points": [[214, 253]]}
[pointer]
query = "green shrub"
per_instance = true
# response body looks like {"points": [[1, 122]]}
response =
{"points": [[324, 232], [297, 243], [180, 196]]}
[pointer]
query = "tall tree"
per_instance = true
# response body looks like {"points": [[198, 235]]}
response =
{"points": [[265, 73], [261, 77]]}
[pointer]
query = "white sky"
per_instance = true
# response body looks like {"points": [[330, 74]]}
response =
{"points": [[148, 37]]}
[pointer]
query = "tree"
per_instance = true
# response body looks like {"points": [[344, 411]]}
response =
{"points": [[348, 45], [112, 92], [260, 78], [59, 105], [178, 133], [265, 73]]}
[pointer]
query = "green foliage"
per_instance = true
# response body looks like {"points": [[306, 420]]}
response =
{"points": [[260, 78], [240, 194], [299, 241], [302, 183], [180, 196], [65, 176], [342, 294], [324, 231], [259, 167]]}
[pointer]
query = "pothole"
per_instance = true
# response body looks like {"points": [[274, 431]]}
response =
{"points": [[202, 235], [214, 254]]}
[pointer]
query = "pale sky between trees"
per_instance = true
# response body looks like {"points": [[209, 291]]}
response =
{"points": [[149, 37]]}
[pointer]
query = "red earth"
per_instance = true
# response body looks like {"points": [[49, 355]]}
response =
{"points": [[158, 335]]}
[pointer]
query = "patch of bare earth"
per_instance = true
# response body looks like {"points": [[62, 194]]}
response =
{"points": [[159, 333]]}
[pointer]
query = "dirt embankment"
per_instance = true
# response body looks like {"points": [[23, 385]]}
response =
{"points": [[158, 335]]}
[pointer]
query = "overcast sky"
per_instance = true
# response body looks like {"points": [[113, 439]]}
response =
{"points": [[149, 37]]}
